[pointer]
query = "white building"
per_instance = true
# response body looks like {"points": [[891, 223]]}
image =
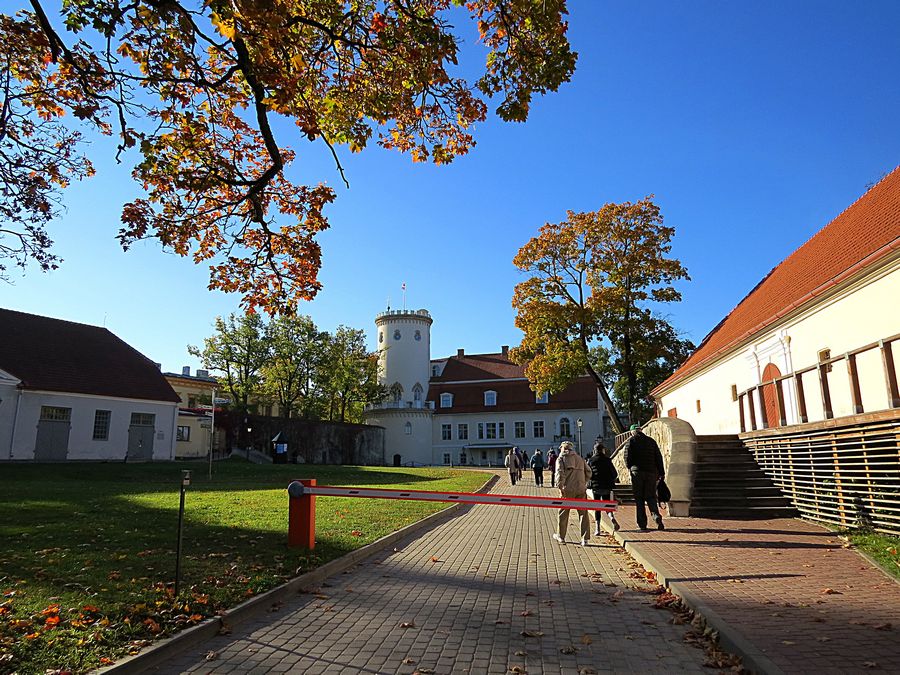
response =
{"points": [[469, 409], [69, 391], [817, 339]]}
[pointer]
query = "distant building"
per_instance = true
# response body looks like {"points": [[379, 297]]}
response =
{"points": [[469, 409], [69, 391], [193, 433], [816, 339]]}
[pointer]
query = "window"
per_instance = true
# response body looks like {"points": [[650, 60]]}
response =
{"points": [[381, 336], [734, 394], [397, 334], [483, 456], [462, 458], [417, 392], [434, 371], [396, 392], [418, 335], [501, 430], [481, 430], [101, 425], [192, 401], [462, 431], [142, 420], [824, 355], [183, 434], [54, 414], [490, 398], [541, 398], [447, 458], [491, 430], [446, 400], [500, 457], [445, 432], [565, 427], [519, 430], [407, 429], [538, 429], [698, 405]]}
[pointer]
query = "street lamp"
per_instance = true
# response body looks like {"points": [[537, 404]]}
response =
{"points": [[579, 423]]}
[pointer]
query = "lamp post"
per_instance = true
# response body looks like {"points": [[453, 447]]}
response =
{"points": [[579, 423]]}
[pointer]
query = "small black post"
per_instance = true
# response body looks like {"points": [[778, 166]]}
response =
{"points": [[185, 482]]}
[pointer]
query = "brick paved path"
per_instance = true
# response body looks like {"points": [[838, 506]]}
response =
{"points": [[786, 587], [467, 589]]}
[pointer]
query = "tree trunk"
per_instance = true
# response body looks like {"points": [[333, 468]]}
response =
{"points": [[607, 402]]}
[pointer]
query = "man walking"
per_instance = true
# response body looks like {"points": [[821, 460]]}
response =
{"points": [[572, 475], [645, 462]]}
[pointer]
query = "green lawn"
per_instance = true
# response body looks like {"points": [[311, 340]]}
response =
{"points": [[882, 548], [87, 551]]}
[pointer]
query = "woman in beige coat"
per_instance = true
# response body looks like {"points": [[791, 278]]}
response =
{"points": [[572, 476]]}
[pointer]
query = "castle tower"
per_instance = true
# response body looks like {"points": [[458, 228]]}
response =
{"points": [[404, 360]]}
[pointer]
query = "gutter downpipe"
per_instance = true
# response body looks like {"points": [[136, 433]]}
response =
{"points": [[15, 424]]}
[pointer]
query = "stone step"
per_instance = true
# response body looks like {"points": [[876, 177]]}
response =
{"points": [[744, 513], [738, 503]]}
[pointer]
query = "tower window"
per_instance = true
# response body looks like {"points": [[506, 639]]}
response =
{"points": [[417, 392], [407, 429], [397, 334], [418, 335], [381, 336]]}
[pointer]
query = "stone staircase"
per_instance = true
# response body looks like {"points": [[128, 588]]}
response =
{"points": [[728, 483]]}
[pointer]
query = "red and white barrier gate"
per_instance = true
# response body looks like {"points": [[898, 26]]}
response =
{"points": [[302, 506]]}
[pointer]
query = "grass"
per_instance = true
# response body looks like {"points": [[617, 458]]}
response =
{"points": [[87, 559], [882, 548]]}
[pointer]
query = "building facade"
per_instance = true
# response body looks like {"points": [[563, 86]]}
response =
{"points": [[70, 391], [469, 409], [194, 436], [817, 339]]}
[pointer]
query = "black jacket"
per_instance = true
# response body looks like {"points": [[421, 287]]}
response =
{"points": [[604, 474], [642, 452]]}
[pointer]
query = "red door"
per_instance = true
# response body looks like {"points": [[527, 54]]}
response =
{"points": [[770, 401]]}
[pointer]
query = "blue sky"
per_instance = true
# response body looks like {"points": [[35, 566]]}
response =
{"points": [[754, 124]]}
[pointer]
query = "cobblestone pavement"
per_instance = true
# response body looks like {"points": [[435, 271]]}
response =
{"points": [[788, 587], [487, 591]]}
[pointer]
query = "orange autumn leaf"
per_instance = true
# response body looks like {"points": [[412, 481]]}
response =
{"points": [[51, 621]]}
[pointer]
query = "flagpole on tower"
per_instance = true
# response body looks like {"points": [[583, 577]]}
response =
{"points": [[403, 288]]}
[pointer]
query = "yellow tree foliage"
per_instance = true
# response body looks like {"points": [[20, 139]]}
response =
{"points": [[194, 86], [591, 278]]}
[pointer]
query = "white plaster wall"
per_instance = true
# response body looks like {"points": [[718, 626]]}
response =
{"points": [[407, 360], [81, 444], [8, 397], [412, 448], [861, 313]]}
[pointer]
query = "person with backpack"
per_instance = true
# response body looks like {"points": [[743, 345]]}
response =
{"points": [[537, 465], [572, 476], [645, 462], [603, 482]]}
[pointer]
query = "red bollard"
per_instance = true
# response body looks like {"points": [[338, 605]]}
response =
{"points": [[302, 515]]}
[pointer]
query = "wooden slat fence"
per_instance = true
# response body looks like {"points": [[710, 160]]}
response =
{"points": [[842, 475]]}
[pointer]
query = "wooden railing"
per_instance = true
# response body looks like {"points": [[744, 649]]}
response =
{"points": [[759, 418], [845, 472]]}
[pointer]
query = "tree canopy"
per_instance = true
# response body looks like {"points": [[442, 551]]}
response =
{"points": [[194, 89], [593, 281]]}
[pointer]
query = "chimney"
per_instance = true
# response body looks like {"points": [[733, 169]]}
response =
{"points": [[186, 371], [460, 353], [202, 373], [158, 365], [505, 350]]}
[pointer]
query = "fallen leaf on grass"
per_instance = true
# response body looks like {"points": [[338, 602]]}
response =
{"points": [[356, 533]]}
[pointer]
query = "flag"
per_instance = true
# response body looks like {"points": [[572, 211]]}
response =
{"points": [[403, 286]]}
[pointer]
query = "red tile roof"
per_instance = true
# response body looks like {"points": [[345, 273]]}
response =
{"points": [[866, 232], [53, 355], [467, 377]]}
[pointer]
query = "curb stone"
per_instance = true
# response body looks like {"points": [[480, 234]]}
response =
{"points": [[730, 639], [164, 650]]}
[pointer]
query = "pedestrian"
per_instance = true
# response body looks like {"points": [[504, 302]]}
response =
{"points": [[603, 482], [525, 461], [520, 461], [645, 462], [537, 465], [551, 466], [512, 465], [572, 476]]}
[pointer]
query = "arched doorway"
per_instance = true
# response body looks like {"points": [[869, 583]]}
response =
{"points": [[770, 399]]}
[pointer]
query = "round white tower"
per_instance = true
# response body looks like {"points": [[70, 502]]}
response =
{"points": [[404, 360]]}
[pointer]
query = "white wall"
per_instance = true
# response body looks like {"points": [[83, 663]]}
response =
{"points": [[81, 443], [858, 314], [407, 360], [414, 447]]}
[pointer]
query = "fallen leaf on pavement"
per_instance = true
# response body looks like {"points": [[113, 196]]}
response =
{"points": [[435, 560], [823, 639], [211, 656], [407, 624], [408, 661], [586, 639], [532, 633], [830, 591], [882, 626], [870, 664], [568, 649]]}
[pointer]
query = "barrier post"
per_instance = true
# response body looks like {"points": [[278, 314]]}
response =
{"points": [[302, 515]]}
